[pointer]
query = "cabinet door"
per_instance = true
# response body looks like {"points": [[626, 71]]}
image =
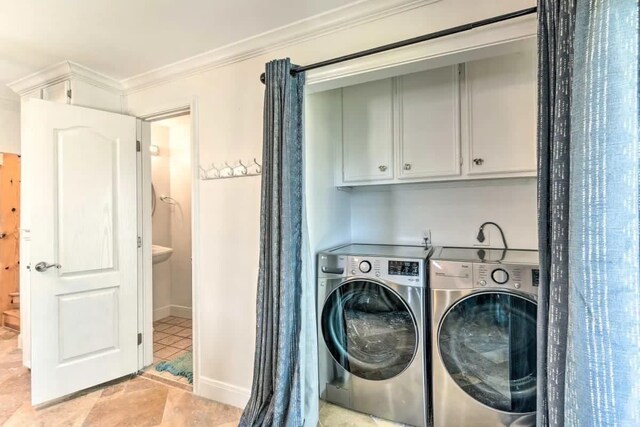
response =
{"points": [[58, 92], [367, 132], [501, 114], [429, 124]]}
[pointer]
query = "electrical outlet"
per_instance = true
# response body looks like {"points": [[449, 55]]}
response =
{"points": [[487, 238]]}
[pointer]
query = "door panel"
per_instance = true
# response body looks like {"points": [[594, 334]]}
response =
{"points": [[429, 124], [83, 308], [367, 132]]}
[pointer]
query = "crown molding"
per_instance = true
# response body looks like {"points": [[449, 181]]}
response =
{"points": [[351, 15], [63, 71]]}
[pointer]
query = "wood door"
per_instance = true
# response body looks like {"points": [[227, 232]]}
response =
{"points": [[10, 240], [367, 135], [83, 247], [429, 124]]}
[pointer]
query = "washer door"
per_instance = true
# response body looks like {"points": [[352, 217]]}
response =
{"points": [[488, 345], [369, 330]]}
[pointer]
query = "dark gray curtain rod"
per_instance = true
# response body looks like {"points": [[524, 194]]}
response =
{"points": [[414, 40]]}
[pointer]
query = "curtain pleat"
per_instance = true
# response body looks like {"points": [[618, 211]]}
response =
{"points": [[276, 391], [556, 21]]}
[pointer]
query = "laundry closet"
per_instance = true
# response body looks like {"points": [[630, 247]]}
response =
{"points": [[441, 150]]}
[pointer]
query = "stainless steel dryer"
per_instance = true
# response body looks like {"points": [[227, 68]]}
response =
{"points": [[483, 308], [372, 311]]}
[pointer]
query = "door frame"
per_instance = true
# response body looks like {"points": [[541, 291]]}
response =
{"points": [[145, 287]]}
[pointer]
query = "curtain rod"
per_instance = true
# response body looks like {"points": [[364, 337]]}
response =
{"points": [[414, 40]]}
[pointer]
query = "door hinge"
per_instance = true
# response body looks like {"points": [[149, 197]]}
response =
{"points": [[139, 241], [69, 93], [139, 338], [138, 146], [461, 161]]}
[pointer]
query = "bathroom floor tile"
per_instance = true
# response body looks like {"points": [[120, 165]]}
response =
{"points": [[170, 340], [185, 333], [183, 343], [167, 352], [157, 336]]}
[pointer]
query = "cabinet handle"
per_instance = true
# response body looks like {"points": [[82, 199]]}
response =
{"points": [[478, 162], [407, 166], [382, 168]]}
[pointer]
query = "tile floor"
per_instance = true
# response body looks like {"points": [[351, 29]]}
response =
{"points": [[172, 336], [336, 416], [128, 402]]}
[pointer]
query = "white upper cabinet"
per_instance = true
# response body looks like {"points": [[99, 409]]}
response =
{"points": [[58, 92], [500, 120], [422, 127], [367, 135], [428, 117]]}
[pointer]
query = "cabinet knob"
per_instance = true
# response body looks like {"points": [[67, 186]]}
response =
{"points": [[382, 168], [478, 162], [407, 166]]}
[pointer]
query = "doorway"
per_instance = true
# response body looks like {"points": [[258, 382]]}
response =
{"points": [[10, 241], [172, 283]]}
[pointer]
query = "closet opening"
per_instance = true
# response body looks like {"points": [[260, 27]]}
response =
{"points": [[10, 241], [171, 170]]}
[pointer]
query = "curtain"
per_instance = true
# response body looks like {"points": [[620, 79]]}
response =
{"points": [[589, 297], [277, 391], [556, 20], [603, 358]]}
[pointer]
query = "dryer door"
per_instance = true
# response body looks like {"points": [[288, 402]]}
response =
{"points": [[369, 330], [487, 344]]}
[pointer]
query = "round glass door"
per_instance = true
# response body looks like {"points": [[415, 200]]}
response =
{"points": [[369, 330], [488, 345]]}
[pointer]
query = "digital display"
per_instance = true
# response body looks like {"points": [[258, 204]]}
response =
{"points": [[404, 268], [535, 277]]}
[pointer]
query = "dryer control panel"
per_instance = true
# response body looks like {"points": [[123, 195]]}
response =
{"points": [[401, 271], [509, 276]]}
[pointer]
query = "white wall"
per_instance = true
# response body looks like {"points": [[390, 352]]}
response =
{"points": [[9, 126], [230, 103], [171, 176], [180, 171], [453, 211], [161, 179]]}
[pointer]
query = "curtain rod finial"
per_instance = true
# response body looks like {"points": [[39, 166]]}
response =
{"points": [[262, 79]]}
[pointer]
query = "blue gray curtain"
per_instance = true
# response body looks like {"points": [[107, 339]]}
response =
{"points": [[276, 392], [589, 307]]}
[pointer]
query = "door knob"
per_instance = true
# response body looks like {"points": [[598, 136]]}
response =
{"points": [[43, 266], [407, 166], [478, 162], [382, 168]]}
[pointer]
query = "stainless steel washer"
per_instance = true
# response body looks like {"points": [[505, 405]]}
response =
{"points": [[372, 311], [483, 311]]}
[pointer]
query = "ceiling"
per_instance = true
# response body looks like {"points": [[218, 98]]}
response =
{"points": [[123, 38]]}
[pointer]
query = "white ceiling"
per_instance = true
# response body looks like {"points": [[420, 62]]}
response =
{"points": [[123, 38]]}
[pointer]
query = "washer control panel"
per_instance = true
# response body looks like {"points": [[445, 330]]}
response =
{"points": [[508, 276]]}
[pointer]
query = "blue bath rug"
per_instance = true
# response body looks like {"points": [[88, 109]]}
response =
{"points": [[180, 366]]}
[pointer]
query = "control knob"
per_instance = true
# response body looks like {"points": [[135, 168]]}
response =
{"points": [[365, 266], [500, 276]]}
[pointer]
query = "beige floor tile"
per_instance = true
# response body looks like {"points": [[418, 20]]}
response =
{"points": [[157, 347], [185, 333], [335, 416], [157, 336], [169, 340], [166, 352], [162, 327], [71, 412], [174, 320], [173, 330], [186, 323], [185, 409], [137, 407], [183, 343]]}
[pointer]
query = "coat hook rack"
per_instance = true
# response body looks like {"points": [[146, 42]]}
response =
{"points": [[236, 169]]}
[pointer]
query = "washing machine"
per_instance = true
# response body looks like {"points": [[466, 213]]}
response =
{"points": [[372, 312], [483, 312]]}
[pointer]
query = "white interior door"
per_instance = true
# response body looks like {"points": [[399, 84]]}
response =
{"points": [[83, 247]]}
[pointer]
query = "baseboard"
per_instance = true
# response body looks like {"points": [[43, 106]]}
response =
{"points": [[181, 311], [222, 392], [161, 313]]}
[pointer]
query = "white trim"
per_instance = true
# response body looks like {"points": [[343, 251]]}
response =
{"points": [[480, 43], [161, 313], [224, 392], [63, 71], [351, 15], [181, 311]]}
